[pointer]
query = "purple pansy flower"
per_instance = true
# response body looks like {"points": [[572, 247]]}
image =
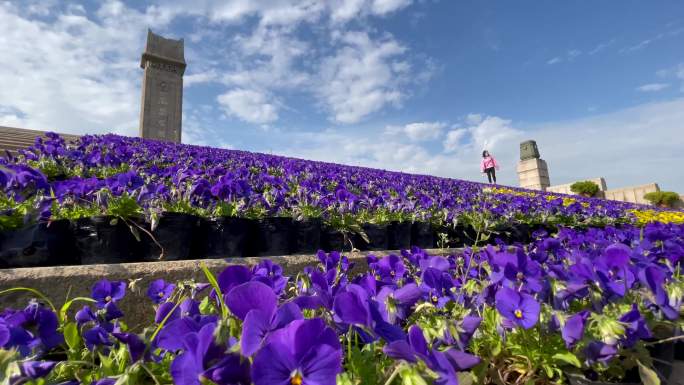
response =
{"points": [[636, 328], [394, 304], [598, 351], [188, 308], [171, 335], [302, 353], [34, 370], [159, 290], [445, 363], [521, 309], [105, 291], [270, 274], [136, 346], [250, 295], [460, 332], [573, 329], [260, 322], [203, 359], [33, 328]]}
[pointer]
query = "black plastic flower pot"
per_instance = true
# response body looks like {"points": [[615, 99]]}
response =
{"points": [[631, 378], [664, 356], [333, 240], [41, 244], [275, 236], [307, 237], [228, 237], [399, 235], [377, 237], [457, 236], [108, 239], [175, 233], [679, 351], [422, 235]]}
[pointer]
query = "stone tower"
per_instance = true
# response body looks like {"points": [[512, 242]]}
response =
{"points": [[162, 91], [533, 173]]}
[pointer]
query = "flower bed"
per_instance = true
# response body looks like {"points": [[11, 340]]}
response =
{"points": [[583, 305], [118, 199]]}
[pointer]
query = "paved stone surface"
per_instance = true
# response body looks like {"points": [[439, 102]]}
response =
{"points": [[60, 283]]}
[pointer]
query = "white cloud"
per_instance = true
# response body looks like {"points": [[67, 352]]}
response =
{"points": [[628, 147], [473, 119], [76, 70], [675, 72], [424, 130], [568, 56], [73, 74], [454, 139], [491, 132], [573, 53], [419, 131], [200, 78], [342, 11], [554, 60], [601, 46], [362, 77], [381, 7], [641, 45], [653, 87], [249, 105]]}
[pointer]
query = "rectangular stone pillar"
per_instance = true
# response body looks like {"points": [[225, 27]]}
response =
{"points": [[533, 174], [162, 89]]}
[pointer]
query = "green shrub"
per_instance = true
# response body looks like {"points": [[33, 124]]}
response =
{"points": [[663, 198], [586, 188]]}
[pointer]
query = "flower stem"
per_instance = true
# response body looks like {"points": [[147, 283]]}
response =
{"points": [[392, 376]]}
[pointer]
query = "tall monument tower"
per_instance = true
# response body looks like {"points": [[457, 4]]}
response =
{"points": [[533, 173], [162, 91]]}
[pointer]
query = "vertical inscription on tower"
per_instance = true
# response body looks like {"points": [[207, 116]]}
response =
{"points": [[163, 63]]}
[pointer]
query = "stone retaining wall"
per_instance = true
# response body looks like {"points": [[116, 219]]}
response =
{"points": [[63, 282]]}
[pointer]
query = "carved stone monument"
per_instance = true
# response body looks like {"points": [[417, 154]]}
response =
{"points": [[162, 91], [529, 150], [533, 173]]}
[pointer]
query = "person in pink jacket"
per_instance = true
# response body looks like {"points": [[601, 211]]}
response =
{"points": [[488, 166]]}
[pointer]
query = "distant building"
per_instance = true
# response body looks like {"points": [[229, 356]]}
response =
{"points": [[533, 173]]}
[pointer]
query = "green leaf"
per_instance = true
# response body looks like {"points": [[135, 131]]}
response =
{"points": [[34, 291], [107, 364], [214, 283], [73, 340], [135, 232], [411, 376], [8, 366], [496, 349], [67, 305], [343, 379], [648, 375], [568, 358], [549, 371]]}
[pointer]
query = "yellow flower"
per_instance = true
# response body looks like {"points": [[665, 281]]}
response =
{"points": [[647, 216]]}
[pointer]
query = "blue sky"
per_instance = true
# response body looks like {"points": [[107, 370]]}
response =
{"points": [[418, 86]]}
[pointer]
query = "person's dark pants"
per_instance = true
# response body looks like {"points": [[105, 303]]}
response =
{"points": [[491, 174]]}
